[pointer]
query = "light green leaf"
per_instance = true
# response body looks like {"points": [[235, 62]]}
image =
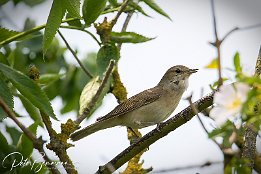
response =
{"points": [[128, 37], [237, 65], [105, 55], [92, 9], [6, 33], [29, 89], [89, 92], [73, 7], [53, 23], [213, 64], [31, 109], [6, 95], [47, 79], [25, 145], [152, 4]]}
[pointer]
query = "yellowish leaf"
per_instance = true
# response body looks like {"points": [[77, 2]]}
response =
{"points": [[213, 64]]}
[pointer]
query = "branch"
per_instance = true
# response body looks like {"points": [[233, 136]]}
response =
{"points": [[240, 29], [125, 25], [217, 44], [22, 34], [37, 143], [123, 6], [82, 29], [161, 131], [249, 147], [97, 95], [75, 56]]}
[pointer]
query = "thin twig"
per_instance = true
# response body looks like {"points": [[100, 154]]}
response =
{"points": [[82, 29], [156, 134], [122, 8], [98, 93], [22, 34], [240, 29], [186, 167], [217, 44], [75, 56], [37, 143], [195, 110], [125, 25]]}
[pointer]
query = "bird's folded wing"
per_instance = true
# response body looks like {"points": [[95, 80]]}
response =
{"points": [[146, 97]]}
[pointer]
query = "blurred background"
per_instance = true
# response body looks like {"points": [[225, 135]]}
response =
{"points": [[184, 40]]}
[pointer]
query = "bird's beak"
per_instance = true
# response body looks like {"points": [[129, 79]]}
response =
{"points": [[191, 71]]}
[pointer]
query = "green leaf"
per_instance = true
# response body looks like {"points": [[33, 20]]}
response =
{"points": [[213, 64], [152, 4], [29, 89], [138, 8], [76, 23], [92, 9], [47, 79], [89, 92], [14, 133], [73, 7], [25, 145], [128, 37], [31, 109], [105, 54], [6, 33], [6, 95], [53, 23], [4, 143], [237, 65]]}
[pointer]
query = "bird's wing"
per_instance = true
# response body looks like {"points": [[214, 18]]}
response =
{"points": [[146, 97]]}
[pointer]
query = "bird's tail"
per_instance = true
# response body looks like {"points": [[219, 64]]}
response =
{"points": [[91, 129]]}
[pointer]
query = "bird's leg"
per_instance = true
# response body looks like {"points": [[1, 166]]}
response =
{"points": [[158, 126]]}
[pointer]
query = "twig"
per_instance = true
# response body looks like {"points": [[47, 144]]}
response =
{"points": [[125, 25], [22, 34], [75, 56], [195, 110], [82, 29], [161, 131], [186, 167], [97, 95], [37, 143], [240, 29], [217, 44], [123, 6]]}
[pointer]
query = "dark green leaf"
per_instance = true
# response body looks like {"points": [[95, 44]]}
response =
{"points": [[32, 3], [3, 59], [114, 3], [6, 95], [154, 6], [138, 8], [14, 133], [31, 109], [25, 145], [53, 23], [73, 7], [237, 65], [92, 9], [105, 54], [128, 37], [29, 89], [6, 33], [4, 143]]}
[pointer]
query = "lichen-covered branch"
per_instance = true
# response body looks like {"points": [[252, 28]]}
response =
{"points": [[156, 134], [249, 146]]}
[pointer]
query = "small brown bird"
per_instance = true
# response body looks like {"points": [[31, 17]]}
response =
{"points": [[147, 108]]}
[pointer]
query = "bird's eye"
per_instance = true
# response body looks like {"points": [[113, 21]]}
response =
{"points": [[178, 70]]}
